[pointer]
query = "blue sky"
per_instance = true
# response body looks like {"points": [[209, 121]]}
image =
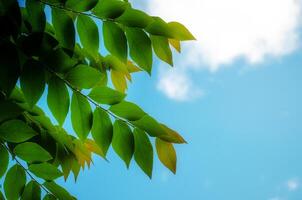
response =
{"points": [[242, 120]]}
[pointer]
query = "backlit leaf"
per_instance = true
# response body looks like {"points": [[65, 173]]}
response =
{"points": [[83, 76], [118, 80], [110, 8], [45, 170], [134, 18], [122, 141], [115, 40], [166, 154], [102, 129], [32, 81], [140, 48], [58, 191], [81, 115], [89, 33], [16, 131], [180, 32], [176, 44], [143, 151], [150, 125], [127, 110], [80, 5], [162, 49], [32, 152], [13, 188], [58, 99], [64, 28], [106, 95], [171, 136], [159, 27], [32, 191]]}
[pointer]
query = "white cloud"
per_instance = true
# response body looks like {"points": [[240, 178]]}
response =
{"points": [[251, 30], [293, 184], [176, 85], [227, 30]]}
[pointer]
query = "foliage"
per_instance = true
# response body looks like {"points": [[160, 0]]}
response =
{"points": [[61, 58]]}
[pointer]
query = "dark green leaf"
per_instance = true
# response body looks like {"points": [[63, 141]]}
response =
{"points": [[180, 32], [122, 141], [59, 61], [140, 48], [10, 67], [58, 99], [166, 154], [162, 49], [9, 110], [106, 95], [102, 129], [32, 191], [89, 33], [143, 151], [46, 171], [14, 182], [110, 8], [64, 28], [127, 110], [150, 125], [58, 191], [4, 158], [1, 196], [80, 5], [16, 131], [32, 81], [83, 76], [36, 15], [81, 115], [32, 152], [115, 40], [134, 18], [49, 197]]}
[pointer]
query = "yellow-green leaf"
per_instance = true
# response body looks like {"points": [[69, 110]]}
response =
{"points": [[176, 44], [162, 49], [166, 154], [106, 95], [127, 110], [180, 32], [118, 80], [134, 18], [110, 8]]}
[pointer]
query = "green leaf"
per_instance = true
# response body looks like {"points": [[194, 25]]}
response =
{"points": [[59, 61], [32, 81], [80, 5], [115, 40], [140, 48], [116, 64], [64, 28], [4, 158], [180, 32], [45, 170], [171, 136], [32, 152], [36, 15], [134, 18], [102, 129], [110, 8], [58, 191], [16, 131], [159, 27], [32, 191], [49, 197], [58, 99], [150, 125], [118, 80], [10, 67], [81, 115], [14, 182], [88, 33], [106, 95], [1, 196], [127, 110], [162, 49], [166, 154], [122, 141], [83, 76], [9, 110], [143, 151]]}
